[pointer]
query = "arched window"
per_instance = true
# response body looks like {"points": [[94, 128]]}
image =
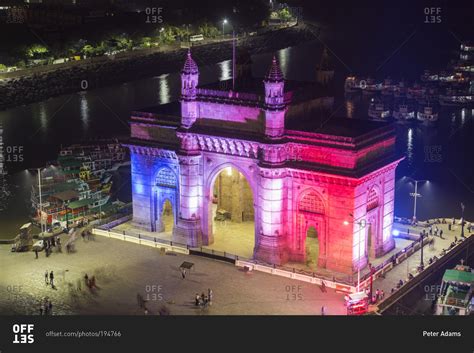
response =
{"points": [[166, 178], [311, 202], [372, 200]]}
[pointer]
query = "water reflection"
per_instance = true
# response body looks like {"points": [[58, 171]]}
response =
{"points": [[43, 116], [164, 89], [84, 110], [225, 70], [350, 108], [283, 57], [410, 146]]}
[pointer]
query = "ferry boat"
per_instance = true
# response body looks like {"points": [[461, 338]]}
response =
{"points": [[351, 85], [388, 87], [428, 115], [453, 97], [400, 90], [378, 110], [455, 295], [403, 112], [369, 86], [417, 91]]}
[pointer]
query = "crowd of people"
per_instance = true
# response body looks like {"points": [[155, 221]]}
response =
{"points": [[203, 300]]}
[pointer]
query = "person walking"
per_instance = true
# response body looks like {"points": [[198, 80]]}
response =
{"points": [[50, 307], [36, 253], [183, 273], [51, 279], [323, 311], [86, 280], [209, 295], [46, 277]]}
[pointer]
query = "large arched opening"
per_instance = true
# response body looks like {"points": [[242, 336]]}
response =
{"points": [[231, 213], [311, 231], [165, 195], [372, 212]]}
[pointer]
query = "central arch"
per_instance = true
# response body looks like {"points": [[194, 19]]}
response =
{"points": [[230, 213]]}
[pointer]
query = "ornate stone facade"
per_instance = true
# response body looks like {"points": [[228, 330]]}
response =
{"points": [[328, 178]]}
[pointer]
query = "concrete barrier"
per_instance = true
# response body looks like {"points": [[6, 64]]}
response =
{"points": [[296, 276]]}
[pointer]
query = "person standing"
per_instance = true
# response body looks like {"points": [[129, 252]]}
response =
{"points": [[36, 253], [183, 273], [51, 279], [46, 277], [323, 311], [50, 307]]}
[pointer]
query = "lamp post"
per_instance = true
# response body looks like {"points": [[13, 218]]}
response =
{"points": [[66, 204], [223, 23], [462, 220], [422, 265], [415, 195], [40, 201], [362, 224]]}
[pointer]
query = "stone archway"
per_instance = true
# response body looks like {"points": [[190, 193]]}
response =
{"points": [[165, 196], [372, 217], [229, 222], [311, 215]]}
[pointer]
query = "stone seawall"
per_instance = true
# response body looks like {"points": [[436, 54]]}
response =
{"points": [[100, 72]]}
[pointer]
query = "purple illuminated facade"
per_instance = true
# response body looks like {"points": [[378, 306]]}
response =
{"points": [[301, 175]]}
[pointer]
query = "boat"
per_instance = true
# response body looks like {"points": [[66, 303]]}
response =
{"points": [[455, 294], [417, 91], [400, 91], [403, 112], [378, 110], [351, 85], [388, 87], [428, 115], [453, 97], [369, 86]]}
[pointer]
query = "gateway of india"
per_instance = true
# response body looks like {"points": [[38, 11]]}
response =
{"points": [[251, 154]]}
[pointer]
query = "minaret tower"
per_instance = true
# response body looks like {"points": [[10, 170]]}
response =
{"points": [[189, 82], [274, 102]]}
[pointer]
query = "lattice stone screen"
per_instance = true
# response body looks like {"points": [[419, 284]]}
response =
{"points": [[311, 202], [166, 178]]}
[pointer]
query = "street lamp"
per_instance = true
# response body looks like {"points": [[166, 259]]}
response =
{"points": [[223, 23], [462, 220], [415, 195], [66, 204], [362, 224]]}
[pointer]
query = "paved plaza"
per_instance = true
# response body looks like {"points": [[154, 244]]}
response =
{"points": [[124, 269]]}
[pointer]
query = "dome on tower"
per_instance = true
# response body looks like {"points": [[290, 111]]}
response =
{"points": [[274, 74], [190, 66]]}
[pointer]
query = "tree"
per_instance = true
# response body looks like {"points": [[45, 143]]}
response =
{"points": [[3, 67], [36, 51], [87, 50], [285, 15], [208, 30]]}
